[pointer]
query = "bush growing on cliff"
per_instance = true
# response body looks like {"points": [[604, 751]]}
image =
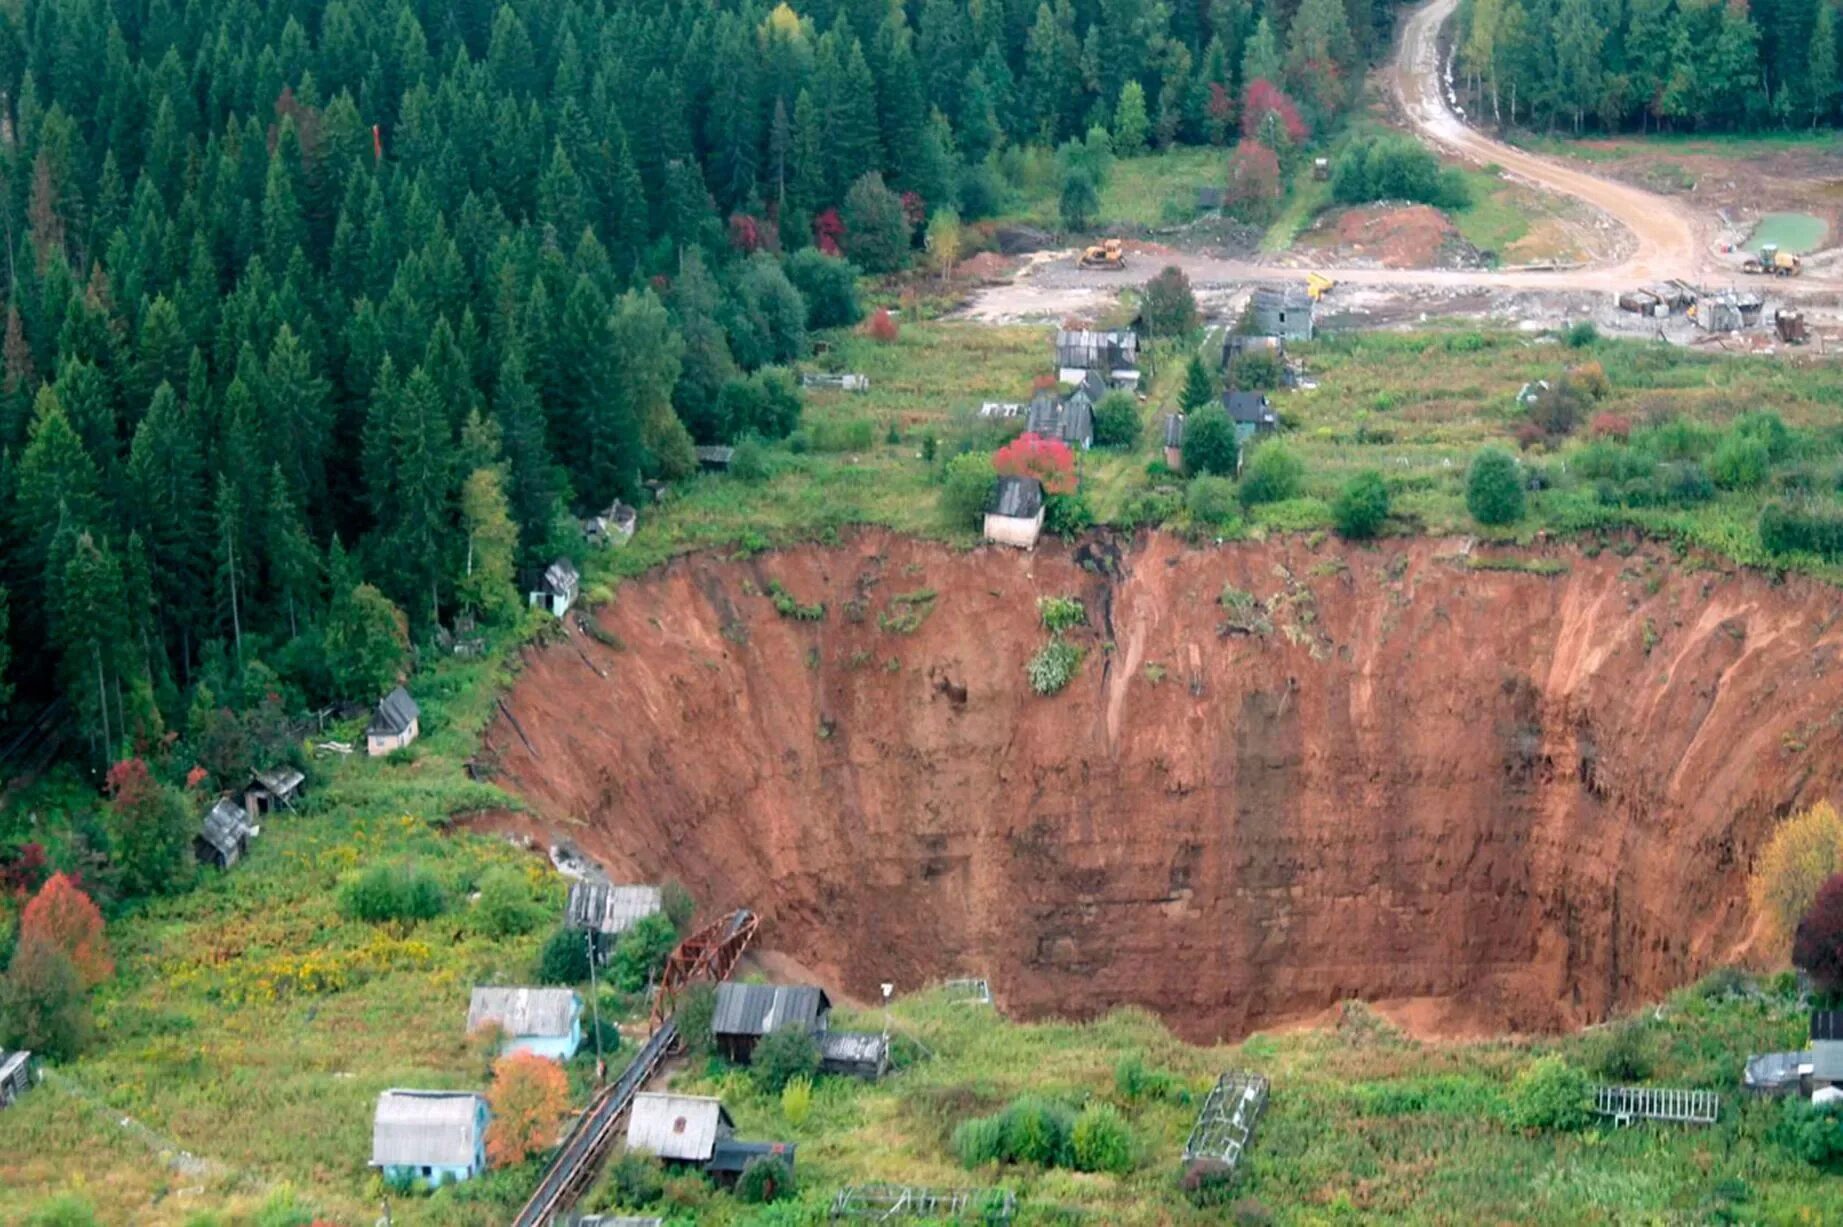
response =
{"points": [[1059, 613], [1551, 1094], [1053, 667], [1813, 1132], [1494, 488], [967, 488], [1362, 506], [1099, 1141]]}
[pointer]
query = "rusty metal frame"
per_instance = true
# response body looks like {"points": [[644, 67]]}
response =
{"points": [[711, 953]]}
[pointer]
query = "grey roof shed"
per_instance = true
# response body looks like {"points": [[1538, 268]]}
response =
{"points": [[730, 1157], [1174, 430], [757, 1009], [685, 1128], [540, 1012], [425, 1128], [226, 831], [395, 713], [1250, 409], [1018, 497], [609, 909]]}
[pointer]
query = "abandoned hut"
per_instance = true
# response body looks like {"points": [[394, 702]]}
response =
{"points": [[1071, 420], [269, 790], [1015, 514], [18, 1073], [615, 526], [609, 911], [1114, 355], [715, 459], [556, 588], [859, 1054], [677, 1128], [1250, 413], [431, 1137], [746, 1012], [732, 1157], [1283, 311], [224, 834], [545, 1022], [395, 724], [1174, 442]]}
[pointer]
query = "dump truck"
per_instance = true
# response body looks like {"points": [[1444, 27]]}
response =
{"points": [[1774, 262], [1317, 285], [1106, 254]]}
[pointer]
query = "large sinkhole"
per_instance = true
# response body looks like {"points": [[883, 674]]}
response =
{"points": [[1507, 793]]}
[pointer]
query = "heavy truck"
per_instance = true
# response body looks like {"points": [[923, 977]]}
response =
{"points": [[1108, 253], [1771, 261]]}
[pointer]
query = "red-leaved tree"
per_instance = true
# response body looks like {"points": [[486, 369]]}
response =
{"points": [[529, 1096], [1263, 98], [1048, 460], [1253, 187], [827, 230], [881, 327], [62, 918], [1817, 947], [23, 870]]}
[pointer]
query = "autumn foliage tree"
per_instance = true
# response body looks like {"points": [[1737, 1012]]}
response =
{"points": [[1253, 189], [881, 327], [1804, 852], [1031, 455], [1263, 99], [61, 954], [62, 918], [150, 830], [529, 1096], [1817, 947]]}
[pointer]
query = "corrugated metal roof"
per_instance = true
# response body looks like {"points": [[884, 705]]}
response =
{"points": [[561, 578], [1174, 430], [281, 782], [732, 1156], [545, 1013], [757, 1009], [610, 909], [1020, 497], [226, 827], [851, 1049], [396, 712], [437, 1128], [1250, 408], [683, 1127]]}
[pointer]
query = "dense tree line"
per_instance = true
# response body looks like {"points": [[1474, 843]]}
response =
{"points": [[319, 317], [1685, 64]]}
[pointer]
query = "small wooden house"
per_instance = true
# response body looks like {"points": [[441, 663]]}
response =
{"points": [[1174, 442], [268, 791], [1251, 414], [429, 1137], [746, 1012], [1114, 355], [859, 1054], [614, 526], [224, 835], [1071, 420], [714, 459], [678, 1129], [1015, 514], [608, 911], [545, 1022], [557, 588], [395, 724], [1284, 311], [18, 1074]]}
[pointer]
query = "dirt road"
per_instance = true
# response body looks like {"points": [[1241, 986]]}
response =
{"points": [[1669, 237]]}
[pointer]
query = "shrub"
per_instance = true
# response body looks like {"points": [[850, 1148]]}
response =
{"points": [[1168, 307], [882, 327], [678, 905], [697, 1006], [1625, 1053], [1207, 1183], [1361, 506], [1037, 1131], [1550, 1094], [564, 959], [1803, 852], [1053, 667], [384, 893], [1272, 474], [1048, 460], [1133, 1082], [979, 1141], [635, 1182], [1254, 187], [1805, 530], [1059, 613], [1079, 201], [64, 1210], [1494, 488], [529, 1096], [967, 488], [749, 462], [764, 1179], [1099, 1141], [783, 1055], [505, 907], [829, 286], [797, 1101], [1741, 461], [641, 951], [1817, 946], [42, 1004], [1581, 335], [1116, 421], [1812, 1132], [1209, 444], [1211, 499], [1610, 426], [1067, 515], [1396, 168], [1256, 370]]}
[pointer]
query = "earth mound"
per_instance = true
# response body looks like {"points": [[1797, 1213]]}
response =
{"points": [[1510, 795]]}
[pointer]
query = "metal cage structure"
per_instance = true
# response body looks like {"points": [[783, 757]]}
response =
{"points": [[888, 1202], [1630, 1104], [1225, 1123]]}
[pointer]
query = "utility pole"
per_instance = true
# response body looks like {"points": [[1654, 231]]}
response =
{"points": [[595, 1009]]}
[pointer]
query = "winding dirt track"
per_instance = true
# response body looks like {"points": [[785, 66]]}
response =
{"points": [[1668, 236]]}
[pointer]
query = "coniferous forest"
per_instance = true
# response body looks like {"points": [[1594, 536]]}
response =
{"points": [[321, 318]]}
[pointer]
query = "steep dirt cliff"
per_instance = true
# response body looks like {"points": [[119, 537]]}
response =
{"points": [[1487, 799]]}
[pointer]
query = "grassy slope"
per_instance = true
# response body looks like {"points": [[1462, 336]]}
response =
{"points": [[279, 1090]]}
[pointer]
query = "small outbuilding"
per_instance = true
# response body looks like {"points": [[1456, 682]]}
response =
{"points": [[731, 1158], [270, 790], [1115, 355], [1174, 442], [224, 835], [714, 459], [860, 1054], [557, 588], [1778, 1073], [1284, 311], [1251, 414], [395, 724], [608, 911], [1015, 514], [18, 1074], [429, 1137], [746, 1012], [1826, 1048], [614, 526], [677, 1128], [1071, 420], [545, 1022]]}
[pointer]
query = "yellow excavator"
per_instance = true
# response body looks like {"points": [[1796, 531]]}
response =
{"points": [[1772, 260], [1317, 285], [1106, 254]]}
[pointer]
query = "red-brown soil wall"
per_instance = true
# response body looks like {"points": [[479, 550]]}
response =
{"points": [[1487, 799]]}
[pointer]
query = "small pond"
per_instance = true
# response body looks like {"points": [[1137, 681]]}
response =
{"points": [[1794, 232]]}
